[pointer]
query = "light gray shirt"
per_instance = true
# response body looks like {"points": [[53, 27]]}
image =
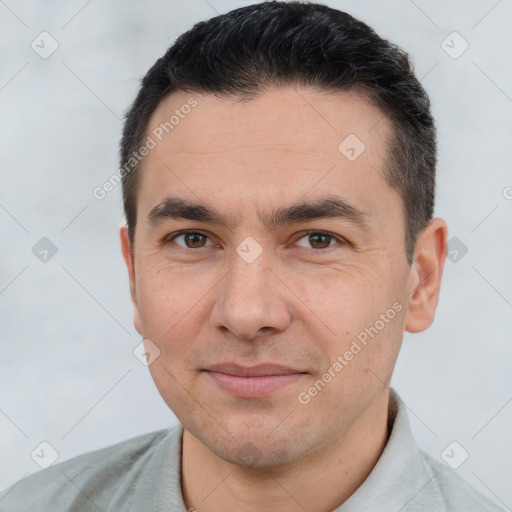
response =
{"points": [[143, 475]]}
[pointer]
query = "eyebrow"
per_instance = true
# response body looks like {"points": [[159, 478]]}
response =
{"points": [[174, 208]]}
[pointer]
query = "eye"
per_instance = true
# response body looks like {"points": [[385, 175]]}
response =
{"points": [[191, 239], [320, 240]]}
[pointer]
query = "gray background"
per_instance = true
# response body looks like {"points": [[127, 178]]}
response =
{"points": [[68, 373]]}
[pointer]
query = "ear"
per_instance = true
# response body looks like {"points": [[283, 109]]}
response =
{"points": [[130, 263], [426, 273]]}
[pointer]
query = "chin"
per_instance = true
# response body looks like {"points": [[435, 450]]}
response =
{"points": [[254, 456], [248, 444]]}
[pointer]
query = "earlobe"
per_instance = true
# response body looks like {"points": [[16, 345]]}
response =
{"points": [[130, 264], [426, 274]]}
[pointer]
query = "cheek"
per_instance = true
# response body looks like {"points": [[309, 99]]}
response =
{"points": [[166, 296], [362, 317], [169, 316], [344, 300]]}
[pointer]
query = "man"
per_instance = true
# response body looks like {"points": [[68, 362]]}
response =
{"points": [[278, 173]]}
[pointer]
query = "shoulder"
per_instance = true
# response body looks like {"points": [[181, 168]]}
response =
{"points": [[86, 482], [453, 492]]}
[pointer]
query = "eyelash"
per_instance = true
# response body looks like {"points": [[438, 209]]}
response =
{"points": [[341, 241]]}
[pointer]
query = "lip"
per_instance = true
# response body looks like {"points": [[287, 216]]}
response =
{"points": [[252, 382], [252, 371]]}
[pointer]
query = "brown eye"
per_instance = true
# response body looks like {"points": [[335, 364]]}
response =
{"points": [[319, 240], [191, 240], [194, 240]]}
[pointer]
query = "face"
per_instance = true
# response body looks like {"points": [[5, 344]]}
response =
{"points": [[259, 277]]}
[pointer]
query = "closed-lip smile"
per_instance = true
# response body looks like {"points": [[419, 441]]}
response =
{"points": [[254, 381], [252, 371]]}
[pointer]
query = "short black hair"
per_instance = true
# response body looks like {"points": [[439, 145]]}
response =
{"points": [[248, 50]]}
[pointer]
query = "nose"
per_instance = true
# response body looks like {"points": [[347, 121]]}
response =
{"points": [[252, 300]]}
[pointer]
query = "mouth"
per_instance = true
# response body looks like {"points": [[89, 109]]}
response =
{"points": [[252, 382]]}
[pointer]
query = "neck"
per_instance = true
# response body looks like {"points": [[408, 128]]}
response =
{"points": [[320, 481]]}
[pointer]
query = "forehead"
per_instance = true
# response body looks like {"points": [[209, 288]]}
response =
{"points": [[276, 147], [298, 117]]}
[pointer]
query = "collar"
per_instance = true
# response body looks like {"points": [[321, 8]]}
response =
{"points": [[400, 473]]}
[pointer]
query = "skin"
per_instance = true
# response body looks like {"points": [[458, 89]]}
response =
{"points": [[294, 305]]}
